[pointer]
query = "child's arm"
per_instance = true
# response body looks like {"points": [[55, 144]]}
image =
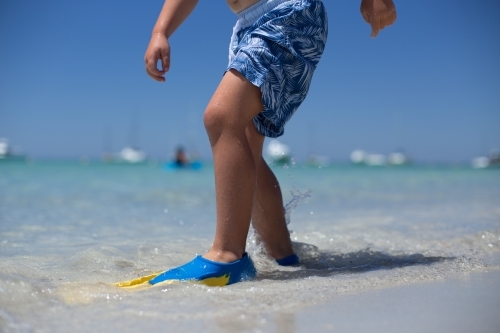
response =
{"points": [[173, 13], [378, 13]]}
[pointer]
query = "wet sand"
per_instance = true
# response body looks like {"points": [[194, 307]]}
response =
{"points": [[468, 303]]}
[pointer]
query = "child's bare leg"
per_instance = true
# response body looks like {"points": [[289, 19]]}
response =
{"points": [[235, 102], [268, 216]]}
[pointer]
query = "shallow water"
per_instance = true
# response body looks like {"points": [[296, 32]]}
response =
{"points": [[68, 231]]}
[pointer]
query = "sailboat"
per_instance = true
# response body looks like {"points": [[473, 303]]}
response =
{"points": [[130, 154], [6, 153]]}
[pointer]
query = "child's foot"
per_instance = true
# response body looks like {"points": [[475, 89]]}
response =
{"points": [[210, 273], [291, 260]]}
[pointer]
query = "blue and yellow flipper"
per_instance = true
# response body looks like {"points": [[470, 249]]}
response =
{"points": [[202, 271], [209, 272], [137, 281]]}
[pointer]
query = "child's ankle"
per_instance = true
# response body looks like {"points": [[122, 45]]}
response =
{"points": [[280, 252], [221, 256]]}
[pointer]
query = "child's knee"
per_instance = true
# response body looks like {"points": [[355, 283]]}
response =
{"points": [[217, 119], [212, 120]]}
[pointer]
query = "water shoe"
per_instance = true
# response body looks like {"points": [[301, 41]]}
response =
{"points": [[210, 273], [291, 260]]}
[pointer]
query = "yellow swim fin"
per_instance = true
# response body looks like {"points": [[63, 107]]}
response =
{"points": [[136, 282]]}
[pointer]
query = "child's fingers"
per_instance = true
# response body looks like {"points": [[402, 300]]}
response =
{"points": [[366, 17], [151, 68], [382, 22], [156, 77], [154, 72], [375, 23], [393, 18], [165, 62]]}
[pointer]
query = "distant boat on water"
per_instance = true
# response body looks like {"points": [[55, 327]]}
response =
{"points": [[6, 153], [131, 155], [127, 155], [278, 152], [321, 161], [484, 162], [361, 157], [4, 148], [397, 158]]}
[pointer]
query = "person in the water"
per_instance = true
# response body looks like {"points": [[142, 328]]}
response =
{"points": [[181, 159], [275, 48]]}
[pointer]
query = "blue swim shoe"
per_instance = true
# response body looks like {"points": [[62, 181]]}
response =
{"points": [[210, 273], [291, 260]]}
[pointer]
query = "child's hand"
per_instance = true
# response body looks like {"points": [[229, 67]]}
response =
{"points": [[378, 13], [158, 49]]}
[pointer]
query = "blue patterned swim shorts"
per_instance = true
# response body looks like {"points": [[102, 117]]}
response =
{"points": [[276, 45]]}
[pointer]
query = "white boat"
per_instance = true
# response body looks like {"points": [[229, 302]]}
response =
{"points": [[398, 158], [131, 155], [375, 159], [359, 156], [6, 152], [483, 162], [4, 148], [278, 152], [320, 161]]}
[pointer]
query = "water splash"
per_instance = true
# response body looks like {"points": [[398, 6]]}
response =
{"points": [[254, 244], [297, 197]]}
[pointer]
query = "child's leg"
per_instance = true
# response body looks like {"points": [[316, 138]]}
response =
{"points": [[268, 216], [245, 185], [235, 102]]}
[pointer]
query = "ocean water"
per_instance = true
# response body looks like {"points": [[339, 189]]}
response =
{"points": [[68, 232]]}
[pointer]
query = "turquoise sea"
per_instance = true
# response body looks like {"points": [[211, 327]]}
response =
{"points": [[68, 231]]}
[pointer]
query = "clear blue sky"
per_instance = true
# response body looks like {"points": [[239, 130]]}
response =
{"points": [[71, 71]]}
